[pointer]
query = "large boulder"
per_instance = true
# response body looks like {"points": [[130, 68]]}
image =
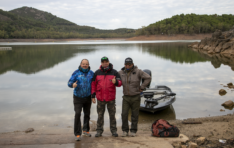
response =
{"points": [[227, 45], [203, 43], [195, 46], [205, 47], [217, 34]]}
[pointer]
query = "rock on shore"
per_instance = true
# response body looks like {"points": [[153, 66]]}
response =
{"points": [[220, 42]]}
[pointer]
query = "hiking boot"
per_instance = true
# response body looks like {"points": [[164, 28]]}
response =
{"points": [[115, 134], [78, 138], [125, 134], [86, 134], [98, 135], [133, 134]]}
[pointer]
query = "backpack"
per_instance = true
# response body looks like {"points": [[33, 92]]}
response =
{"points": [[161, 128]]}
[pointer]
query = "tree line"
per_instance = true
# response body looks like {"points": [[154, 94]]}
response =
{"points": [[189, 24]]}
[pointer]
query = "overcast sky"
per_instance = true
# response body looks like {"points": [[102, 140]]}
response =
{"points": [[113, 14]]}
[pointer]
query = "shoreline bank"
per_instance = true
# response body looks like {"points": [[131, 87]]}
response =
{"points": [[137, 38], [212, 128]]}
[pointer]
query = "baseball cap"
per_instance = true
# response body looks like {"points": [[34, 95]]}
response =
{"points": [[104, 59], [128, 61]]}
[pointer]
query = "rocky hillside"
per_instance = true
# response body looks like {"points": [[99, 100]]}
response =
{"points": [[220, 42], [38, 15], [31, 23]]}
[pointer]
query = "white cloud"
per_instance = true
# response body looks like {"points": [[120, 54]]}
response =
{"points": [[129, 13]]}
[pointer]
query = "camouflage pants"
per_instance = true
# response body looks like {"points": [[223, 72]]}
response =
{"points": [[101, 105]]}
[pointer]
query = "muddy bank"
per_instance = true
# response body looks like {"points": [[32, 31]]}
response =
{"points": [[218, 43], [212, 128], [137, 38]]}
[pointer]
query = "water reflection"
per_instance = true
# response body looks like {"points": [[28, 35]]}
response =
{"points": [[146, 117], [217, 59], [176, 52], [43, 99], [32, 59]]}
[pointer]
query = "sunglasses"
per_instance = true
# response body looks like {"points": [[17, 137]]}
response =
{"points": [[104, 58]]}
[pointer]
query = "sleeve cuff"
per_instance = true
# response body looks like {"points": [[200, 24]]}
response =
{"points": [[93, 95], [116, 83]]}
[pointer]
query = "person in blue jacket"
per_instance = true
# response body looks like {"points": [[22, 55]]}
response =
{"points": [[81, 81]]}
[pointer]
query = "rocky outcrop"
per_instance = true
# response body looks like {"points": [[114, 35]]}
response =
{"points": [[220, 42]]}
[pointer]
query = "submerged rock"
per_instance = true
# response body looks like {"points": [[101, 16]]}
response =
{"points": [[222, 92], [29, 130], [228, 104], [230, 85]]}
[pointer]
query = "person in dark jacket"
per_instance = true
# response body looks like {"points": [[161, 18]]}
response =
{"points": [[81, 81], [104, 83], [131, 78]]}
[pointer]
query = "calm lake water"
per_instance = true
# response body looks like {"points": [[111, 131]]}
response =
{"points": [[34, 91]]}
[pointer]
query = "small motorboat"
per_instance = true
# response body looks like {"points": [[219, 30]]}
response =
{"points": [[155, 99]]}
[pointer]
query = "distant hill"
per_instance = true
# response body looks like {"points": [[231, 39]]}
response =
{"points": [[189, 24], [28, 22], [38, 15]]}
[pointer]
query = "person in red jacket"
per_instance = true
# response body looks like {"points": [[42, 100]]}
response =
{"points": [[104, 83]]}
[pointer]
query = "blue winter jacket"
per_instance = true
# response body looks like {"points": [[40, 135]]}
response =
{"points": [[84, 80]]}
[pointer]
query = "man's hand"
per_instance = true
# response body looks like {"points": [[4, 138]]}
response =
{"points": [[114, 80], [74, 85], [94, 100], [141, 90]]}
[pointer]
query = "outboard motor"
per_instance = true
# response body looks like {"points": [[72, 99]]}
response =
{"points": [[149, 73]]}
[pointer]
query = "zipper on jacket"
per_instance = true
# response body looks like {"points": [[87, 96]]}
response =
{"points": [[127, 83], [105, 85]]}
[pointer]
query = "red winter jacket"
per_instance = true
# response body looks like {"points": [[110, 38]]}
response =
{"points": [[102, 85]]}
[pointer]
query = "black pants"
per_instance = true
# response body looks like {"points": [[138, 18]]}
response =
{"points": [[101, 105], [79, 104], [133, 103]]}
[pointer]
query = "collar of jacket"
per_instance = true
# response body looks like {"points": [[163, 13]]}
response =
{"points": [[134, 68], [82, 70], [110, 68]]}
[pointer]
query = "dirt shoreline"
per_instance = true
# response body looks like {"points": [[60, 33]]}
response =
{"points": [[137, 38], [212, 128]]}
